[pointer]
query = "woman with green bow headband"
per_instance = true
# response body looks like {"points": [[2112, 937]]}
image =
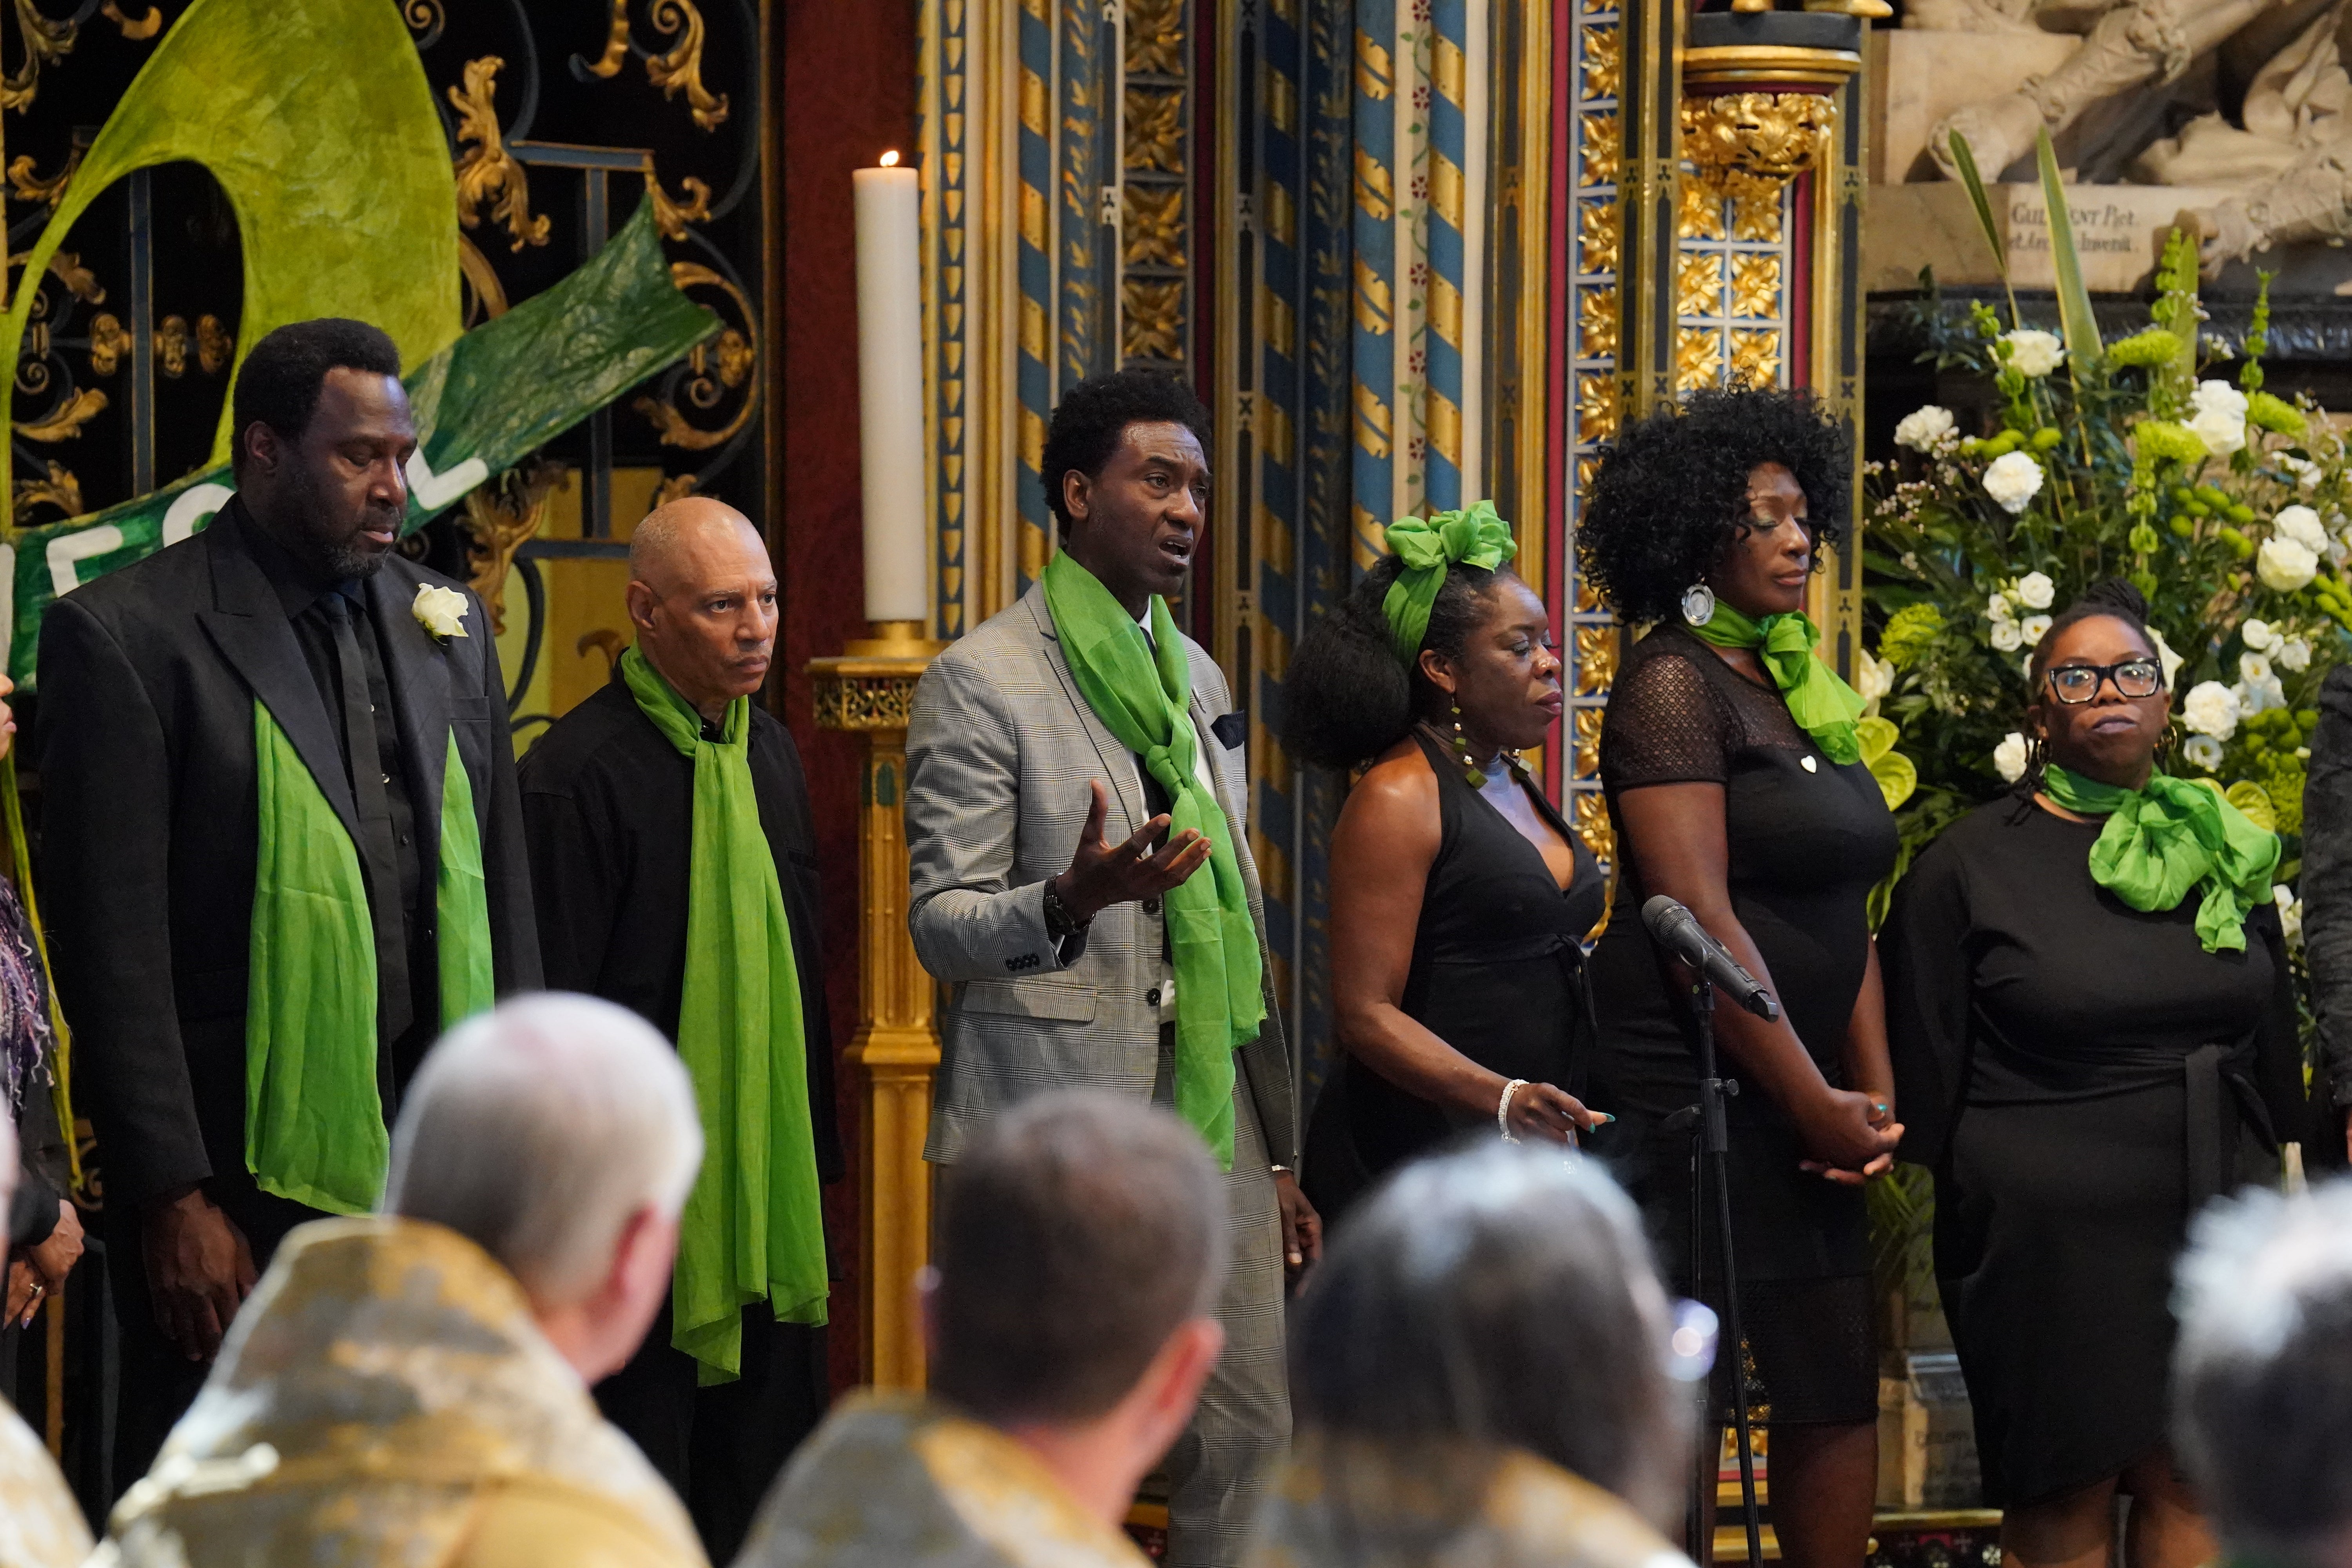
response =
{"points": [[1729, 762], [2093, 1031], [1459, 897]]}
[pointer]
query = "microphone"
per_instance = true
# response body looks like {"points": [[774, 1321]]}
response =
{"points": [[1677, 930]]}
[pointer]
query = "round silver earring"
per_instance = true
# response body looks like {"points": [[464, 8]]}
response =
{"points": [[1698, 603]]}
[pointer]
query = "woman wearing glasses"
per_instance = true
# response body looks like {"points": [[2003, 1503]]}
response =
{"points": [[2093, 1033], [1730, 762]]}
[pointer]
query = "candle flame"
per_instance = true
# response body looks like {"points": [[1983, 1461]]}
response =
{"points": [[890, 160]]}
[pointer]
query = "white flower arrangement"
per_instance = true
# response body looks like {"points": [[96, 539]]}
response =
{"points": [[2032, 352], [2006, 637], [2202, 751], [2286, 565], [2252, 667], [2221, 431], [2166, 658], [2031, 630], [2290, 910], [1924, 429], [1999, 608], [1873, 678], [2008, 757], [2294, 655], [2013, 479], [2209, 709], [2034, 591], [2258, 634], [2301, 525], [440, 611]]}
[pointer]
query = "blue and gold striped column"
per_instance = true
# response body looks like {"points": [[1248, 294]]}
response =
{"points": [[1034, 375], [1376, 358], [1449, 321]]}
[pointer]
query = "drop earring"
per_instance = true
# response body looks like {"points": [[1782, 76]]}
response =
{"points": [[1461, 744], [1698, 603]]}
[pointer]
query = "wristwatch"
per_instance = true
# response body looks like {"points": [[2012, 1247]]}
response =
{"points": [[1061, 924]]}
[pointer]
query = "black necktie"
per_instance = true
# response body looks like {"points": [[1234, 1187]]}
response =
{"points": [[364, 759]]}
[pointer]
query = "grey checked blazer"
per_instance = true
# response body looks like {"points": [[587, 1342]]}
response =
{"points": [[998, 750]]}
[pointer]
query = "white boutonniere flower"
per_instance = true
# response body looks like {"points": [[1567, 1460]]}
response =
{"points": [[441, 611]]}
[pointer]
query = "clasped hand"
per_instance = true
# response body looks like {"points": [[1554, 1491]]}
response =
{"points": [[1851, 1136], [1102, 875]]}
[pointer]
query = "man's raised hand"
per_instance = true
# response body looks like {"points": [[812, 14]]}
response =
{"points": [[1102, 875]]}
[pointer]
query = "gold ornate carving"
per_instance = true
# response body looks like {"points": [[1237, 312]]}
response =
{"points": [[1773, 136], [1155, 37], [1755, 207], [680, 70], [63, 422], [1596, 660], [1756, 358], [143, 26], [1586, 599], [1153, 318], [1698, 285], [1155, 130], [1733, 65], [485, 171], [60, 489], [1698, 212], [1604, 59], [1601, 225], [1755, 286], [865, 701], [108, 343], [616, 44], [425, 18], [66, 267], [1152, 227], [1586, 742], [1598, 407], [1599, 144], [31, 187], [1596, 323], [1698, 357], [672, 217], [712, 370], [489, 294], [499, 515], [172, 339], [216, 344], [1590, 819], [677, 487], [46, 41]]}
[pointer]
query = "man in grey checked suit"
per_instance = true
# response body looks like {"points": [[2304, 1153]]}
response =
{"points": [[1052, 938]]}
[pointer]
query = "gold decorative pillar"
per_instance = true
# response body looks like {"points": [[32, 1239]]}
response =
{"points": [[869, 691]]}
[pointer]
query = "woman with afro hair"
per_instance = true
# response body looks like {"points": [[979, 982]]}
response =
{"points": [[1459, 899], [1732, 773]]}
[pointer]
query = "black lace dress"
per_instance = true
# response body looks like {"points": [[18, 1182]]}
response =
{"points": [[1498, 973], [1808, 839]]}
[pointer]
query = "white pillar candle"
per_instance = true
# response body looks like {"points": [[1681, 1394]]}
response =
{"points": [[890, 392]]}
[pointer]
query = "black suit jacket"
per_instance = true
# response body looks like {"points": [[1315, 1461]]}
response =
{"points": [[148, 678]]}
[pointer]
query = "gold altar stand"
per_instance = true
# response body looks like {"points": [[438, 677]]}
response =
{"points": [[869, 691]]}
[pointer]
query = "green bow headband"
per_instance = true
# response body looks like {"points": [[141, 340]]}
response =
{"points": [[1475, 536]]}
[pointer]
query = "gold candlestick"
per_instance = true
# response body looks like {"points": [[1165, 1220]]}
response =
{"points": [[869, 691]]}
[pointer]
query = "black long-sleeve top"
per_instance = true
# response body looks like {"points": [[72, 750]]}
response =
{"points": [[608, 822], [2327, 889]]}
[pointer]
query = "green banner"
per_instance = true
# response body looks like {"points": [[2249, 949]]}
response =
{"points": [[482, 404]]}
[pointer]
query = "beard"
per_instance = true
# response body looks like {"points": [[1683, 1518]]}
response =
{"points": [[318, 535]]}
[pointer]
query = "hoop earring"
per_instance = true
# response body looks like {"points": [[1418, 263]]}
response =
{"points": [[1461, 745], [1698, 603]]}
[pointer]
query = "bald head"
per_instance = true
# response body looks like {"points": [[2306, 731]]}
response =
{"points": [[702, 597]]}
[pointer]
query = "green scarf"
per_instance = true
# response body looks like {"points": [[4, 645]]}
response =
{"points": [[1143, 692], [752, 1230], [314, 1127], [2168, 837], [1823, 706], [1475, 536]]}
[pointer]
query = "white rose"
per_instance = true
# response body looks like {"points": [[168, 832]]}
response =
{"points": [[2032, 352], [2212, 395], [2031, 629], [2006, 637], [2209, 710], [2008, 757], [2165, 656], [2000, 608], [2286, 565], [1874, 677], [2203, 751], [2249, 698], [2014, 480], [2293, 655], [2290, 908], [2258, 634], [2307, 474], [2221, 431], [1924, 429], [441, 611], [2301, 525], [2254, 668], [2035, 591]]}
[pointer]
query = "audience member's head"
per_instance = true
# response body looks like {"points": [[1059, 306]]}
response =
{"points": [[2262, 1374], [1503, 1296], [560, 1134], [1081, 1246]]}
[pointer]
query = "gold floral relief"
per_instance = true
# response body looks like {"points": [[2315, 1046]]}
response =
{"points": [[1755, 286], [1155, 130], [1604, 59], [1155, 37], [1596, 323], [61, 489], [1776, 135], [1698, 285], [171, 341], [680, 70], [499, 515], [148, 23], [1153, 318], [616, 44], [1586, 599], [31, 187], [1591, 820], [48, 40], [109, 342], [671, 216], [1152, 225], [1699, 213], [1756, 358], [216, 344], [1596, 660], [485, 171], [1600, 225], [1598, 407], [1585, 737], [1600, 143], [1698, 357], [1755, 207], [63, 422]]}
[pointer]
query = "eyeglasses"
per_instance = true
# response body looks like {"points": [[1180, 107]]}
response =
{"points": [[2075, 683]]}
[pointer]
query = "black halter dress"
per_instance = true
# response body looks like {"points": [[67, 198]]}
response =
{"points": [[1498, 973]]}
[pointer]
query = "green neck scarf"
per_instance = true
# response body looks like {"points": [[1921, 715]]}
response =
{"points": [[314, 1126], [2168, 837], [1823, 706], [1475, 536], [752, 1230], [1143, 692]]}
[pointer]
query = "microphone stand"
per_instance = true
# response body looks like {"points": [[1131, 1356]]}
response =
{"points": [[1710, 1151]]}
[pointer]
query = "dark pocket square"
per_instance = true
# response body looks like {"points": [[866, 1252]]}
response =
{"points": [[1231, 730]]}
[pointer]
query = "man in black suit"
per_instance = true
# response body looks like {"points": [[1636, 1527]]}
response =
{"points": [[157, 683]]}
